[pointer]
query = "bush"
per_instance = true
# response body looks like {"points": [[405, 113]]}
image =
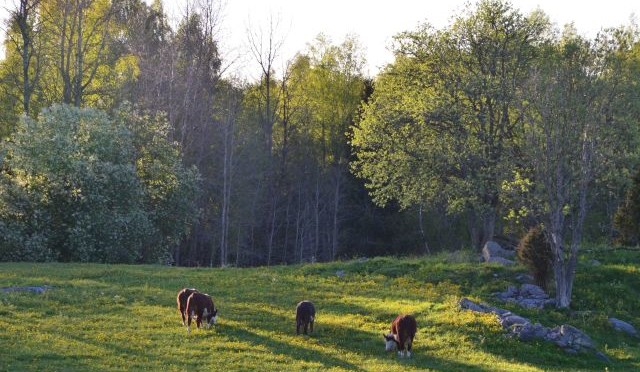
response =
{"points": [[535, 252], [627, 217], [81, 186]]}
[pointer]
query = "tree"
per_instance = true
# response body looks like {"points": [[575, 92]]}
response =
{"points": [[25, 26], [570, 121], [444, 119], [85, 61]]}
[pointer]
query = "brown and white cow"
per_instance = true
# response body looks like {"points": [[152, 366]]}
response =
{"points": [[403, 330], [305, 316], [200, 306], [181, 299]]}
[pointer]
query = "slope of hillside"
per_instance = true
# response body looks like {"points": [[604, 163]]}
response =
{"points": [[114, 317]]}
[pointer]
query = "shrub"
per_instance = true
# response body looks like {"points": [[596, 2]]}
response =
{"points": [[81, 186], [534, 251], [627, 217]]}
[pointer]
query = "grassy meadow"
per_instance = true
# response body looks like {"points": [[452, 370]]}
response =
{"points": [[116, 317]]}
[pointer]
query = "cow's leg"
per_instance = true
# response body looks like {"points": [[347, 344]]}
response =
{"points": [[189, 316], [183, 317], [306, 328], [199, 320], [409, 348], [297, 328], [311, 325]]}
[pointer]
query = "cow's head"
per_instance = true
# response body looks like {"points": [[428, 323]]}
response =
{"points": [[390, 342], [210, 318]]}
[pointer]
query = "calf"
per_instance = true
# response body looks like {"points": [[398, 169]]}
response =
{"points": [[182, 298], [403, 330], [305, 316], [200, 306]]}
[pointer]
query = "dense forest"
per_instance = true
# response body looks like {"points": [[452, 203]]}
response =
{"points": [[124, 141]]}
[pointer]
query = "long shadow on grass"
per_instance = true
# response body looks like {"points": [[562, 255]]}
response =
{"points": [[290, 351], [369, 345]]}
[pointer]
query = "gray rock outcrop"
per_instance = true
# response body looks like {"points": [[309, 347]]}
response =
{"points": [[622, 326], [494, 253], [529, 296], [570, 339], [40, 289]]}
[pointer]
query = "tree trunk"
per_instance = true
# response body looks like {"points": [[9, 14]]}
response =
{"points": [[272, 229], [77, 81], [422, 234], [336, 208], [316, 210]]}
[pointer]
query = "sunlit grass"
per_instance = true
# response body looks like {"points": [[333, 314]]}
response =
{"points": [[116, 317]]}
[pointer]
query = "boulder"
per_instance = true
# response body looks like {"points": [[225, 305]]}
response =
{"points": [[512, 319], [524, 278], [570, 338], [532, 291], [529, 332], [467, 304], [40, 289], [622, 326], [492, 249], [500, 260], [529, 296]]}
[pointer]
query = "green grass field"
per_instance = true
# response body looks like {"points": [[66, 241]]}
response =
{"points": [[115, 317]]}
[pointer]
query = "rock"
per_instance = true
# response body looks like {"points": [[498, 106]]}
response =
{"points": [[569, 337], [595, 262], [492, 249], [524, 278], [39, 290], [467, 304], [340, 273], [530, 303], [622, 326], [509, 293], [529, 332], [500, 260], [532, 291], [509, 320], [529, 296]]}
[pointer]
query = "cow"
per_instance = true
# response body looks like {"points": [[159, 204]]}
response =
{"points": [[403, 330], [181, 299], [200, 306], [305, 316]]}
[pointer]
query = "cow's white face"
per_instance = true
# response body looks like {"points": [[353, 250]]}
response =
{"points": [[214, 320], [389, 342]]}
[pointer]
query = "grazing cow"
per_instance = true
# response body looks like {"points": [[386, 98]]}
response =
{"points": [[200, 306], [305, 316], [182, 298], [403, 330]]}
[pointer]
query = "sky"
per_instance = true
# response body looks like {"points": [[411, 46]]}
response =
{"points": [[373, 21]]}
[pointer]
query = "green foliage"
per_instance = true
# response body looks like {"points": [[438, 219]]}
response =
{"points": [[445, 116], [101, 195], [627, 217], [534, 251], [112, 317]]}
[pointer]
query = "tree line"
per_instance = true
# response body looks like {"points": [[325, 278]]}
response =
{"points": [[479, 130]]}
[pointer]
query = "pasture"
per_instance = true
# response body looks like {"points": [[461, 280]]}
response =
{"points": [[118, 317]]}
